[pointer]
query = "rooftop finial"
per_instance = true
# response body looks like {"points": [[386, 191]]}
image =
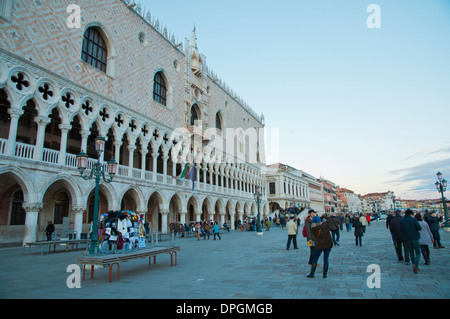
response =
{"points": [[193, 43]]}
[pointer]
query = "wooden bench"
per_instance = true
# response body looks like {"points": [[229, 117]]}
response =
{"points": [[67, 242], [111, 260]]}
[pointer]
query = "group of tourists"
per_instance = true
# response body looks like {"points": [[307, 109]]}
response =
{"points": [[323, 232], [200, 228], [412, 235]]}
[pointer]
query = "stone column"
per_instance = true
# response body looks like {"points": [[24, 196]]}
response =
{"points": [[31, 221], [204, 176], [210, 177], [144, 152], [42, 122], [241, 216], [155, 162], [183, 217], [84, 139], [198, 215], [174, 172], [197, 173], [222, 218], [164, 214], [15, 114], [131, 149], [232, 215], [165, 159], [117, 145], [65, 128], [78, 220]]}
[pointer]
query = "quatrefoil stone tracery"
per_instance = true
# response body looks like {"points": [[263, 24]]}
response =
{"points": [[68, 100], [45, 91], [20, 81]]}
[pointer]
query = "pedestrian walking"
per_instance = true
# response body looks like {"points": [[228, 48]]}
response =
{"points": [[335, 224], [410, 228], [347, 222], [389, 218], [426, 238], [358, 232], [310, 238], [207, 229], [196, 230], [433, 221], [216, 231], [49, 230], [323, 244], [292, 229], [282, 222], [340, 216], [267, 224], [363, 221], [398, 237]]}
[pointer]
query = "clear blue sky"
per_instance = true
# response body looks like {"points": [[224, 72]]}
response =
{"points": [[368, 109]]}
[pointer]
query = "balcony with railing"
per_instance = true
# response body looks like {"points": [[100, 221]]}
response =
{"points": [[27, 152]]}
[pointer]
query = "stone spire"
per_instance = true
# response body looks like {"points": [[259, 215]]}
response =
{"points": [[193, 43]]}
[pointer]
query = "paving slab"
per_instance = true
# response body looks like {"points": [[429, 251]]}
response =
{"points": [[241, 265]]}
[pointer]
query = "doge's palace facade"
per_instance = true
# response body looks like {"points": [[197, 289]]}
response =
{"points": [[123, 76]]}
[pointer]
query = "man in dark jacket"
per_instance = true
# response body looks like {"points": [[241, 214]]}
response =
{"points": [[410, 228], [433, 221], [335, 224], [398, 237], [49, 230]]}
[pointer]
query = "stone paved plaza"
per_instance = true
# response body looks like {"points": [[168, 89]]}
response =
{"points": [[241, 265]]}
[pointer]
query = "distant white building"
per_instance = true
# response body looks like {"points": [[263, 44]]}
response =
{"points": [[289, 187]]}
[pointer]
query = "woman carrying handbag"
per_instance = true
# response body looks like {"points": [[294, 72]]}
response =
{"points": [[323, 243]]}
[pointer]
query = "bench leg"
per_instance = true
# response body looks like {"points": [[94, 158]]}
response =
{"points": [[84, 271], [150, 260], [171, 257], [110, 270]]}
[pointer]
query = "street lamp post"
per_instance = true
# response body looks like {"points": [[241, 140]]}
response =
{"points": [[257, 196], [97, 171], [441, 186]]}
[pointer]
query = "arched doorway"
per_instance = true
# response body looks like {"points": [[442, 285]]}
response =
{"points": [[153, 212], [174, 209]]}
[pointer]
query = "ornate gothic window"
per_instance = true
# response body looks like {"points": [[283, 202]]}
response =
{"points": [[159, 89], [94, 49], [218, 122], [194, 116]]}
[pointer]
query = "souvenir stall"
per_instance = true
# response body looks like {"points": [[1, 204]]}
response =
{"points": [[121, 231]]}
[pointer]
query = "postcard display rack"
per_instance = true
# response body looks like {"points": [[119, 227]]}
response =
{"points": [[121, 231]]}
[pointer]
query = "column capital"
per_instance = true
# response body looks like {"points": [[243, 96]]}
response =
{"points": [[85, 133], [42, 120], [78, 209], [15, 112], [32, 207], [65, 127]]}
